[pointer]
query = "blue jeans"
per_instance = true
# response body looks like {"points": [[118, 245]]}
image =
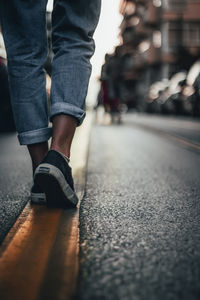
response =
{"points": [[24, 30]]}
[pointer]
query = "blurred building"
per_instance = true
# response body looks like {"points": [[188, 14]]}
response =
{"points": [[180, 29], [158, 39]]}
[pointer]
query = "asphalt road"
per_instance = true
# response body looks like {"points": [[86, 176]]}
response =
{"points": [[139, 220], [188, 129], [15, 180]]}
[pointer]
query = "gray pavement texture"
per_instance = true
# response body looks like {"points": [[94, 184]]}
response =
{"points": [[186, 128], [139, 220], [15, 180]]}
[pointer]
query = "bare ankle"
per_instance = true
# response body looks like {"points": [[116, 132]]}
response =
{"points": [[64, 127], [37, 153], [62, 149]]}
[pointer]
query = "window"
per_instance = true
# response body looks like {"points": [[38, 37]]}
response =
{"points": [[191, 34], [157, 39], [175, 5], [174, 34], [130, 8], [157, 3]]}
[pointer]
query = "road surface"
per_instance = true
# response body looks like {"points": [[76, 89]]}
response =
{"points": [[139, 219]]}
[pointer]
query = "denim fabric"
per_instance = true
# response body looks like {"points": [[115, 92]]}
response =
{"points": [[24, 30]]}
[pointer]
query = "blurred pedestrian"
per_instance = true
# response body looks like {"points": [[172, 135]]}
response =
{"points": [[24, 30], [196, 97], [110, 76], [111, 104]]}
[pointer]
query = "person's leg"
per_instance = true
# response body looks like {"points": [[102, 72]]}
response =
{"points": [[73, 25], [24, 31], [64, 127], [37, 153]]}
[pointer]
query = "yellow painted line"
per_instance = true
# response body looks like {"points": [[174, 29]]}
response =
{"points": [[62, 268], [39, 256], [186, 143], [22, 265]]}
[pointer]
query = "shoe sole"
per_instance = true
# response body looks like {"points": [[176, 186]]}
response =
{"points": [[52, 181]]}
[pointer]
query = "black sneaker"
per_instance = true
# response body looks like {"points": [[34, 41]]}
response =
{"points": [[54, 176], [37, 195]]}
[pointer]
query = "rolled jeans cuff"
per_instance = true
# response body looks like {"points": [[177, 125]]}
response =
{"points": [[35, 136], [68, 109]]}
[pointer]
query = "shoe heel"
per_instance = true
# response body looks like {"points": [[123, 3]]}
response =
{"points": [[44, 170]]}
